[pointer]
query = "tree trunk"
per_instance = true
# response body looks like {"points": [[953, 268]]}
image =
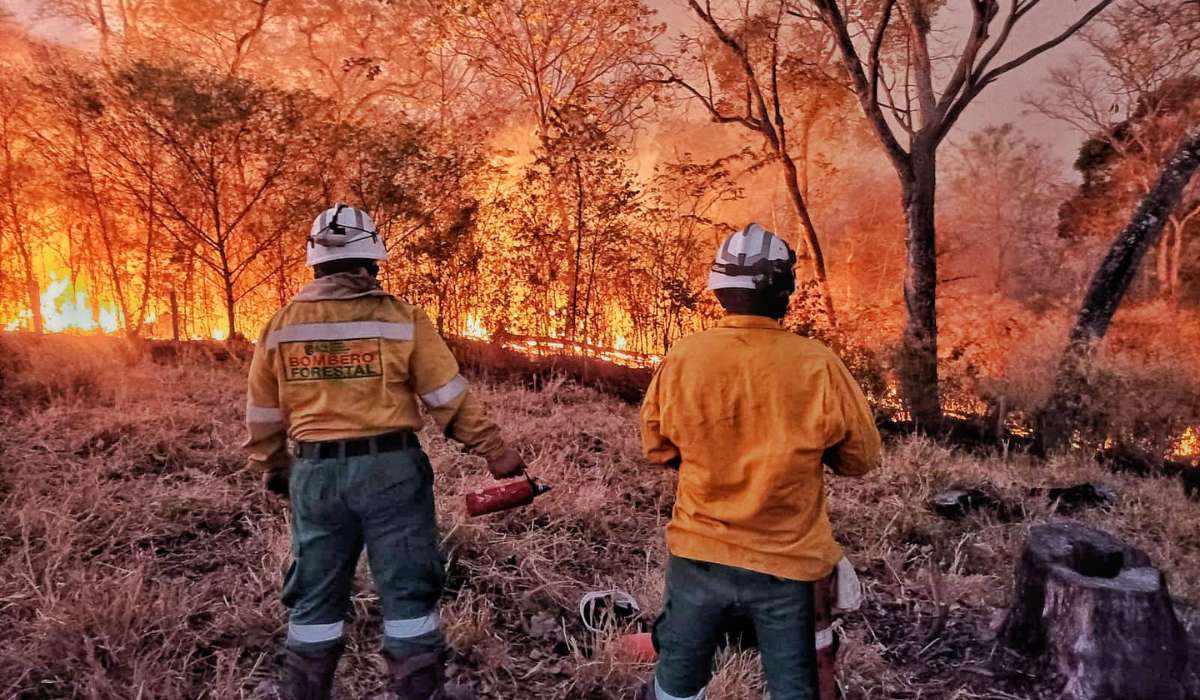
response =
{"points": [[229, 298], [21, 234], [281, 288], [1176, 258], [187, 318], [1163, 266], [106, 234], [229, 309], [791, 177], [1108, 288], [918, 362], [93, 301], [174, 316], [148, 268], [440, 289], [34, 293], [573, 320], [100, 21], [587, 296], [1103, 614]]}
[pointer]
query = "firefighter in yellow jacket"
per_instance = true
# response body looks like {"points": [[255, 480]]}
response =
{"points": [[340, 371], [750, 414]]}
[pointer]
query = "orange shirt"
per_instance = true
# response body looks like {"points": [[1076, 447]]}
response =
{"points": [[751, 412]]}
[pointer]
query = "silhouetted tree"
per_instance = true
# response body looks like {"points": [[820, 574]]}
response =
{"points": [[898, 95], [1108, 287]]}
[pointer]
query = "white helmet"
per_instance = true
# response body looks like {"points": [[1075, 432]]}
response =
{"points": [[342, 232], [754, 258]]}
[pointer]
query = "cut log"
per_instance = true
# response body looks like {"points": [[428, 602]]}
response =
{"points": [[1102, 615]]}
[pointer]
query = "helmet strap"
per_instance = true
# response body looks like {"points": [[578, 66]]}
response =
{"points": [[768, 275]]}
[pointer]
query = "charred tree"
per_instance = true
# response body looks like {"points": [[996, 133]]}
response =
{"points": [[1102, 615], [1108, 288]]}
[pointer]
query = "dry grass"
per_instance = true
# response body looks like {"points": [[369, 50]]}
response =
{"points": [[141, 560]]}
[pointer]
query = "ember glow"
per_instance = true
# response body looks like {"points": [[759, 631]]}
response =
{"points": [[1188, 444]]}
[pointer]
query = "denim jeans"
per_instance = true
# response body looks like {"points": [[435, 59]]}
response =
{"points": [[385, 502], [701, 600]]}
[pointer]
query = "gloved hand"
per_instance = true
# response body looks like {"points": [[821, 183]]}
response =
{"points": [[276, 480], [509, 463]]}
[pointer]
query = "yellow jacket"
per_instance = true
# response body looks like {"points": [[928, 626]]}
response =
{"points": [[749, 411], [345, 360]]}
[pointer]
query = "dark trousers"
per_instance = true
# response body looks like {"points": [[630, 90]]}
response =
{"points": [[381, 501], [701, 599]]}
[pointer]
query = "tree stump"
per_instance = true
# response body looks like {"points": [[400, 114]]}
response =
{"points": [[1101, 612]]}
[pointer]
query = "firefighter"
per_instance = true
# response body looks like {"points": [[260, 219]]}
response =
{"points": [[340, 370], [749, 414]]}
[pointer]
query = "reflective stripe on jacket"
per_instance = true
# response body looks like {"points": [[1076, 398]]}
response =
{"points": [[750, 411], [341, 368]]}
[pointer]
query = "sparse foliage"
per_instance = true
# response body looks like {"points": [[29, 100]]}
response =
{"points": [[886, 50]]}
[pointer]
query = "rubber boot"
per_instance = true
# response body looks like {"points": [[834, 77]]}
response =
{"points": [[419, 677], [309, 675]]}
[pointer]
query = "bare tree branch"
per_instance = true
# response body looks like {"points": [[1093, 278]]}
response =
{"points": [[831, 14], [1042, 48]]}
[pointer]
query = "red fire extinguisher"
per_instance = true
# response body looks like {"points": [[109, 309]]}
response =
{"points": [[513, 494]]}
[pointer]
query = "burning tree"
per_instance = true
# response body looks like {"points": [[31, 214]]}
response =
{"points": [[553, 54], [425, 191], [581, 72], [1109, 285], [572, 217], [766, 76], [97, 195], [228, 167], [17, 180], [668, 293], [892, 71]]}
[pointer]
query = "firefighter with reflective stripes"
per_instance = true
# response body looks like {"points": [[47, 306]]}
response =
{"points": [[750, 414], [340, 371]]}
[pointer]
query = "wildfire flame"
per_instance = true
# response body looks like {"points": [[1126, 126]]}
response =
{"points": [[474, 328], [1188, 444], [63, 312], [67, 307]]}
